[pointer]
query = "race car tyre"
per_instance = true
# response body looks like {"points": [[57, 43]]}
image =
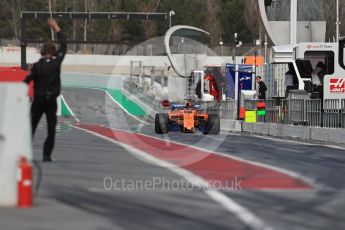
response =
{"points": [[213, 123], [161, 123]]}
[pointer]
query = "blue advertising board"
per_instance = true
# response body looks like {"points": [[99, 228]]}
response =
{"points": [[245, 79]]}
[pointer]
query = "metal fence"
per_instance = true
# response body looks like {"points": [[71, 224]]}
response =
{"points": [[296, 112], [331, 113], [313, 112], [310, 112], [342, 114], [211, 107], [272, 112], [251, 104], [228, 110]]}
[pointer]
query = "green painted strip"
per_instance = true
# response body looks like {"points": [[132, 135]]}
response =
{"points": [[65, 112], [131, 107]]}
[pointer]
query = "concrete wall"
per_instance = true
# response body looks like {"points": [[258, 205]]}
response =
{"points": [[15, 138], [78, 59], [97, 63], [301, 132], [231, 125], [92, 80]]}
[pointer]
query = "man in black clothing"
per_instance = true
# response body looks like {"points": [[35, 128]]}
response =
{"points": [[47, 86], [262, 88]]}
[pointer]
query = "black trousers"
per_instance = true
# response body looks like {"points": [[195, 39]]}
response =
{"points": [[47, 106], [262, 96]]}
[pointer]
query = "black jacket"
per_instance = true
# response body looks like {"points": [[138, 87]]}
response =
{"points": [[46, 72], [262, 90]]}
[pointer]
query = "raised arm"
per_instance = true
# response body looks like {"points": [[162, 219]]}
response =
{"points": [[62, 39]]}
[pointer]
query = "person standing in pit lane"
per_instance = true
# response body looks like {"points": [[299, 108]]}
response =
{"points": [[47, 87], [262, 88]]}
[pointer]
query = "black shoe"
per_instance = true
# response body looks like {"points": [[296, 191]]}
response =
{"points": [[47, 159]]}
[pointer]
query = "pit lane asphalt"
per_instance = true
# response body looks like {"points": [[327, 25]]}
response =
{"points": [[319, 208]]}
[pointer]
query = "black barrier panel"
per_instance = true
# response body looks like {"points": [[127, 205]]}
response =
{"points": [[118, 16], [39, 15], [100, 16], [157, 17], [342, 113], [95, 15]]}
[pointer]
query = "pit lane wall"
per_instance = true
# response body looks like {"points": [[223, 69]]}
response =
{"points": [[332, 135], [15, 138]]}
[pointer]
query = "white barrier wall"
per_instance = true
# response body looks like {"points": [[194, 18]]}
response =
{"points": [[79, 59], [13, 57], [91, 80], [15, 138]]}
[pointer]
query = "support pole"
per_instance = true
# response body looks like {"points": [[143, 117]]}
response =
{"points": [[23, 44], [293, 23], [266, 43], [337, 23], [236, 81]]}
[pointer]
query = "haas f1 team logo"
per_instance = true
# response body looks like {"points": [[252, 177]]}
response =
{"points": [[337, 85]]}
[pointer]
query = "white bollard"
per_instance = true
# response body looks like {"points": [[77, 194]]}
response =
{"points": [[15, 138]]}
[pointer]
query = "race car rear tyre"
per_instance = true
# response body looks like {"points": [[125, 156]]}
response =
{"points": [[213, 123], [161, 123]]}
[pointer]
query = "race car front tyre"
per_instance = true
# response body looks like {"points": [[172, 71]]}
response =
{"points": [[213, 124], [161, 123]]}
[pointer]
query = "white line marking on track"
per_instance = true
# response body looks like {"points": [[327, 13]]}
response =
{"points": [[284, 140], [69, 109], [298, 142], [335, 147], [229, 204], [230, 133]]}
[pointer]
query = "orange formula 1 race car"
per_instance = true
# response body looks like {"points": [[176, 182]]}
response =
{"points": [[187, 118]]}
